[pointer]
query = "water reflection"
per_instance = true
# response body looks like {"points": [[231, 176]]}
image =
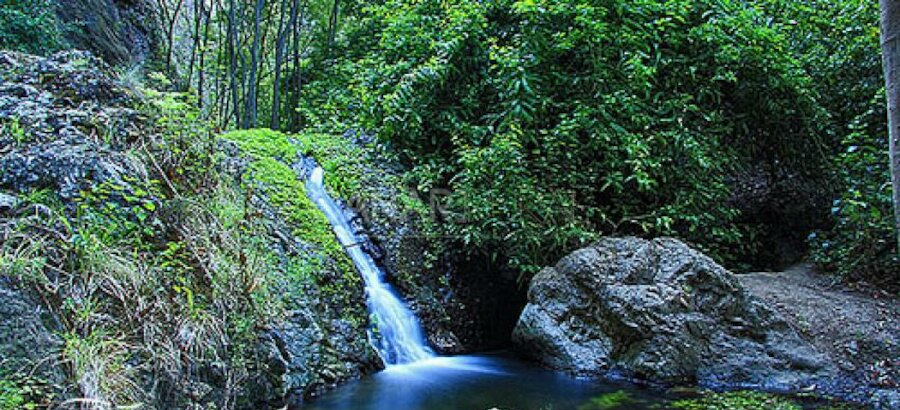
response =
{"points": [[475, 382]]}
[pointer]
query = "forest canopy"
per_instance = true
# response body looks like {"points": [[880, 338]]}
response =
{"points": [[755, 130]]}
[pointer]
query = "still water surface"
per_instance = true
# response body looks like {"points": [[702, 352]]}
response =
{"points": [[477, 382]]}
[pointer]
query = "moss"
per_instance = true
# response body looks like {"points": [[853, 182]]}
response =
{"points": [[608, 401], [738, 400], [344, 162], [264, 143], [269, 173]]}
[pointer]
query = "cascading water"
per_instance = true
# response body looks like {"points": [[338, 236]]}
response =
{"points": [[398, 338]]}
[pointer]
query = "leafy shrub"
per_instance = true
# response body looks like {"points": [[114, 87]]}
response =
{"points": [[555, 122], [862, 244], [22, 391], [30, 26]]}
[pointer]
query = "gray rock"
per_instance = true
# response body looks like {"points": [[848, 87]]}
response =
{"points": [[68, 117], [28, 341], [69, 164], [122, 32], [659, 311], [8, 203]]}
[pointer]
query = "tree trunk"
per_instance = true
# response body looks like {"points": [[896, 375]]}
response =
{"points": [[279, 60], [297, 17], [890, 46], [204, 45], [170, 35], [254, 65], [332, 27], [195, 47], [232, 62]]}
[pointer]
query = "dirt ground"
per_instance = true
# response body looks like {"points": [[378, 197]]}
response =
{"points": [[859, 329]]}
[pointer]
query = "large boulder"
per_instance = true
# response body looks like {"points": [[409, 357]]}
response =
{"points": [[659, 311]]}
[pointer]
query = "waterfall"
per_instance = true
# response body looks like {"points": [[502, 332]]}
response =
{"points": [[397, 335]]}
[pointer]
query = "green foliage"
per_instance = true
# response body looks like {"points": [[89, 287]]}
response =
{"points": [[739, 400], [11, 397], [343, 162], [185, 145], [613, 400], [14, 130], [270, 175], [838, 45], [555, 122], [264, 143], [23, 392], [30, 26], [862, 244]]}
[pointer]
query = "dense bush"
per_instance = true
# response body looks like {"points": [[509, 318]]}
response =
{"points": [[862, 244], [729, 124], [838, 44], [553, 122], [29, 26]]}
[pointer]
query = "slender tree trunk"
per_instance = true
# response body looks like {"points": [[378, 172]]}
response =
{"points": [[279, 60], [195, 46], [254, 66], [295, 75], [242, 80], [332, 26], [890, 46], [232, 61], [201, 70], [170, 34]]}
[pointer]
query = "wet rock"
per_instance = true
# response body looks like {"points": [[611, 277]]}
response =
{"points": [[659, 311], [265, 387]]}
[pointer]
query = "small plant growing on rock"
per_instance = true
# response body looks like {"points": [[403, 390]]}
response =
{"points": [[618, 399], [738, 400], [13, 128]]}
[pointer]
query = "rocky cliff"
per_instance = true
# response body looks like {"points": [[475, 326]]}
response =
{"points": [[145, 260]]}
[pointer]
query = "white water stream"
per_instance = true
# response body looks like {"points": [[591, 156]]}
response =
{"points": [[397, 336]]}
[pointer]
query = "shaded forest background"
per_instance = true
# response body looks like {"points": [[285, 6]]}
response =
{"points": [[755, 130]]}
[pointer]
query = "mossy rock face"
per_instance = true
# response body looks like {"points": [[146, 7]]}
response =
{"points": [[220, 259], [26, 340], [324, 332]]}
